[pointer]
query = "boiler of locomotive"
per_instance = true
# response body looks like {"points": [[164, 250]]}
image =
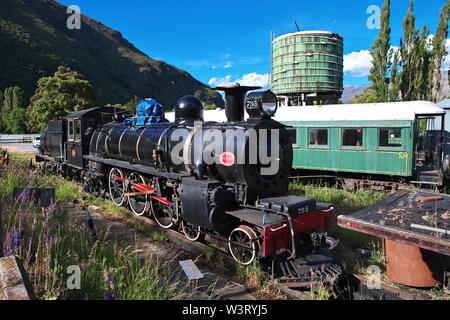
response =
{"points": [[255, 154]]}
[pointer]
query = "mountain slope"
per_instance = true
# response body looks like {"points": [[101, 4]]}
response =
{"points": [[350, 91], [34, 41]]}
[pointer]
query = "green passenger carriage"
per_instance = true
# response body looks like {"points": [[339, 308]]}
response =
{"points": [[381, 140]]}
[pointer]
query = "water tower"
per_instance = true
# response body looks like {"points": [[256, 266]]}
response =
{"points": [[307, 68]]}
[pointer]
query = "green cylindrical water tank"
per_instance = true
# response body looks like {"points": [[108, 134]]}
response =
{"points": [[308, 62]]}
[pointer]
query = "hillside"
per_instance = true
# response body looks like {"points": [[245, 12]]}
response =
{"points": [[34, 41], [350, 91]]}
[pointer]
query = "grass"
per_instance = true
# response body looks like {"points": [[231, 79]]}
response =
{"points": [[345, 203], [214, 256], [320, 292], [251, 275], [48, 242]]}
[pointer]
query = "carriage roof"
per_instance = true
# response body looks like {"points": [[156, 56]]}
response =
{"points": [[392, 111]]}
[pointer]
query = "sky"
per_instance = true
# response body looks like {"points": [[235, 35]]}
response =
{"points": [[223, 42]]}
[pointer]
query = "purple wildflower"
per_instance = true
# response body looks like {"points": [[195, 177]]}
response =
{"points": [[109, 295], [16, 239]]}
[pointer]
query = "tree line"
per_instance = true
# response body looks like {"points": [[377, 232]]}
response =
{"points": [[55, 97], [413, 70]]}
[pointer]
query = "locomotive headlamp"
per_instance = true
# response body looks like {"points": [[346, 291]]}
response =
{"points": [[261, 105]]}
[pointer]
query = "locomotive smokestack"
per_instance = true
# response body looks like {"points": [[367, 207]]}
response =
{"points": [[235, 100]]}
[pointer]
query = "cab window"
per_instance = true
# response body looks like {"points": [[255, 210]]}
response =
{"points": [[78, 130], [70, 131]]}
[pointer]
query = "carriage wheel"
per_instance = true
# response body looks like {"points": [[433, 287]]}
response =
{"points": [[138, 203], [116, 186], [242, 245], [192, 232], [162, 214]]}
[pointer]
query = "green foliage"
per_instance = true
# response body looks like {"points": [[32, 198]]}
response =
{"points": [[11, 100], [59, 96], [367, 96], [130, 107], [408, 52], [422, 66], [439, 53], [395, 80], [16, 121], [381, 56], [210, 106], [413, 72]]}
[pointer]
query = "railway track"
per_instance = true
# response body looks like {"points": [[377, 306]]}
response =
{"points": [[362, 290], [353, 184], [199, 248]]}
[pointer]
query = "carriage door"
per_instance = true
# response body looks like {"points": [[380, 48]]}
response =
{"points": [[428, 150]]}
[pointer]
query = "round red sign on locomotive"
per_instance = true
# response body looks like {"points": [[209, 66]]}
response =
{"points": [[227, 159], [73, 153]]}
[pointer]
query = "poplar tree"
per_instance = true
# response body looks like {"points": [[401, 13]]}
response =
{"points": [[439, 53], [422, 59], [395, 78], [381, 56], [408, 54]]}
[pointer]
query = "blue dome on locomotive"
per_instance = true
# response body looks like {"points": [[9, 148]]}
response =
{"points": [[148, 112]]}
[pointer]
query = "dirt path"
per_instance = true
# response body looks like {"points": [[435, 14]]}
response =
{"points": [[212, 285]]}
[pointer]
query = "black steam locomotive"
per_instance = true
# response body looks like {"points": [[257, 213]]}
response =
{"points": [[225, 180]]}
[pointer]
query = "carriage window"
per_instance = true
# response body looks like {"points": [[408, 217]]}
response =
{"points": [[78, 130], [318, 137], [391, 138], [70, 131], [352, 137]]}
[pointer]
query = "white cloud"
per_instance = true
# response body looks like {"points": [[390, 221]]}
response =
{"points": [[446, 64], [251, 79], [358, 64], [227, 66]]}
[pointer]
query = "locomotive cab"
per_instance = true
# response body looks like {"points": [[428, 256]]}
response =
{"points": [[80, 128]]}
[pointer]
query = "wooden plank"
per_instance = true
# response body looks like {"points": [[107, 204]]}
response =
{"points": [[403, 236], [13, 284]]}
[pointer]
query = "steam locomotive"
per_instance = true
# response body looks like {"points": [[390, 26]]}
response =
{"points": [[227, 181]]}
